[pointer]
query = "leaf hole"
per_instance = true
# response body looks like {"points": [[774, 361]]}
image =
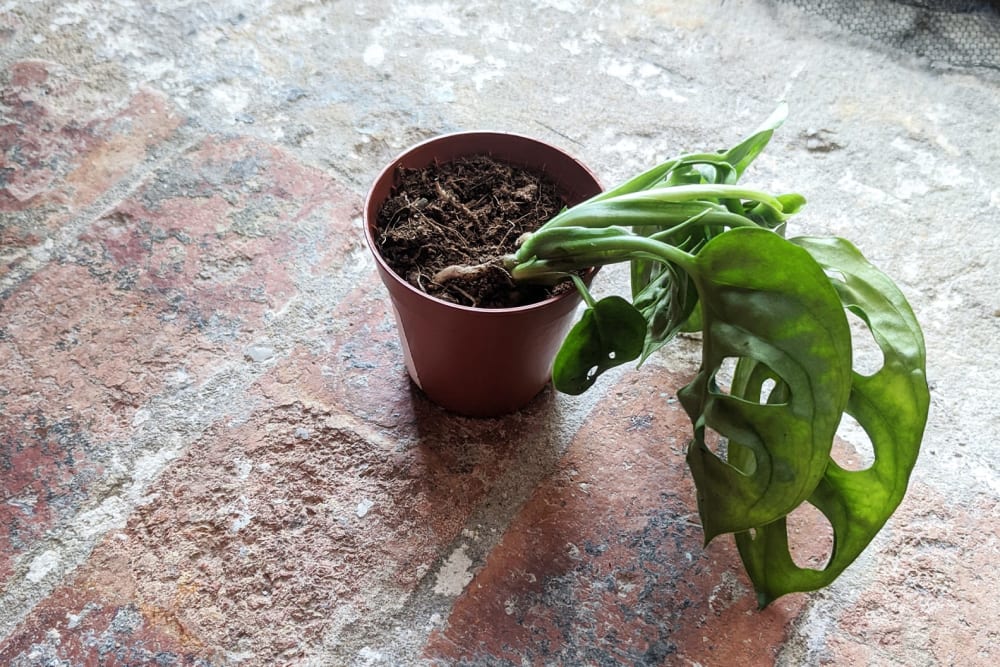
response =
{"points": [[724, 375], [868, 358], [731, 453], [764, 387], [810, 537], [611, 354], [852, 447], [717, 443], [592, 372]]}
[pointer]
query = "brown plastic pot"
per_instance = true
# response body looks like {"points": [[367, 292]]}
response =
{"points": [[477, 361]]}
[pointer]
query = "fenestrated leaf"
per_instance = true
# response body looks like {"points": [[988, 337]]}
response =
{"points": [[891, 406], [765, 299], [768, 303], [611, 332]]}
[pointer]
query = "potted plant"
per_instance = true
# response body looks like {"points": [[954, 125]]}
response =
{"points": [[708, 254], [475, 361]]}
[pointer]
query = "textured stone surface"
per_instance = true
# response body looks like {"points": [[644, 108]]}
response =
{"points": [[210, 453], [606, 565], [156, 296], [63, 143], [279, 530], [275, 530], [930, 598]]}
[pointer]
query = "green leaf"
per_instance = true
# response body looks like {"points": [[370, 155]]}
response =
{"points": [[745, 152], [611, 332], [666, 303], [765, 299], [771, 217], [891, 406], [776, 306], [791, 203], [722, 167]]}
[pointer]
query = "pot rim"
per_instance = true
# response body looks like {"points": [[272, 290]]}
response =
{"points": [[389, 170]]}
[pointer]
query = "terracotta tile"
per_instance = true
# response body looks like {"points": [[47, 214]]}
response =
{"points": [[47, 465], [62, 145], [157, 295], [278, 529], [354, 360], [605, 563], [443, 464], [96, 622], [938, 562]]}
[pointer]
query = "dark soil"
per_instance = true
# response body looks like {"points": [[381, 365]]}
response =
{"points": [[467, 212]]}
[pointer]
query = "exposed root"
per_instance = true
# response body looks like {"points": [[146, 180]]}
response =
{"points": [[461, 272]]}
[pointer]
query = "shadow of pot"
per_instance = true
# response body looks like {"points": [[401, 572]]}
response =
{"points": [[480, 362]]}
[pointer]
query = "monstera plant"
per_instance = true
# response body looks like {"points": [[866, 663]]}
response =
{"points": [[708, 254]]}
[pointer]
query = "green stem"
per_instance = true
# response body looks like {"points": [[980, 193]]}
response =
{"points": [[581, 287], [658, 205], [651, 214], [654, 176], [554, 255], [702, 191]]}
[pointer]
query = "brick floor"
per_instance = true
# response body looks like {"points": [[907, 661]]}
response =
{"points": [[264, 537], [158, 294], [605, 563], [211, 454], [327, 497], [62, 145], [938, 567], [279, 527]]}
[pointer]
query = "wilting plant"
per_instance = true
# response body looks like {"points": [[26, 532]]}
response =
{"points": [[708, 254]]}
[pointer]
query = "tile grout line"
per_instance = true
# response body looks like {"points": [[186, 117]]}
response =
{"points": [[164, 435], [39, 255], [151, 453], [427, 607]]}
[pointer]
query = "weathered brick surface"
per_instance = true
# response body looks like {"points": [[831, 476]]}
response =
{"points": [[605, 563], [210, 453], [155, 296], [934, 598], [278, 529], [444, 464], [62, 145], [48, 465], [352, 358], [95, 621]]}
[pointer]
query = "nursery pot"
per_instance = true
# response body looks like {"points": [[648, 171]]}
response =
{"points": [[480, 362]]}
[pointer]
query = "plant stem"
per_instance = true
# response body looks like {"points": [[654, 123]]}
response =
{"points": [[569, 251], [660, 205], [655, 176], [581, 287], [646, 213]]}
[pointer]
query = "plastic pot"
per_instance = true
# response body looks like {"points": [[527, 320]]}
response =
{"points": [[478, 361]]}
